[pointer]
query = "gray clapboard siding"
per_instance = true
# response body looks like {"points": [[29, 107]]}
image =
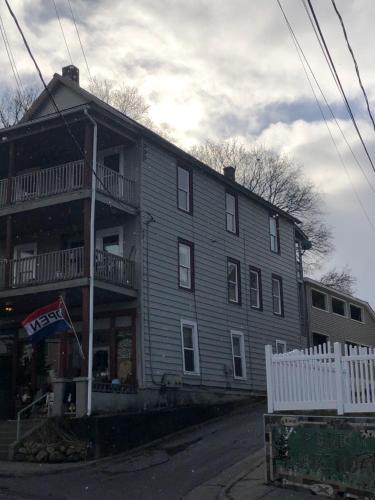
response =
{"points": [[208, 306]]}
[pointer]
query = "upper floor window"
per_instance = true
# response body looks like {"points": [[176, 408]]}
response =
{"points": [[234, 281], [190, 352], [238, 354], [231, 211], [255, 288], [338, 306], [277, 295], [184, 189], [274, 233], [356, 313], [185, 264], [319, 300]]}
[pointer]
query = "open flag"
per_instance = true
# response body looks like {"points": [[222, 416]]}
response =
{"points": [[46, 321]]}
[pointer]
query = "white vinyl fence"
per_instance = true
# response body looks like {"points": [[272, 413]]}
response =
{"points": [[337, 377]]}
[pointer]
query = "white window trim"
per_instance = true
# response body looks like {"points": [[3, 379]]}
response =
{"points": [[190, 285], [237, 333], [273, 237], [283, 343], [280, 312], [362, 313], [111, 231], [112, 151], [24, 246], [188, 209], [233, 215], [237, 300], [326, 300], [257, 289], [193, 324], [345, 315]]}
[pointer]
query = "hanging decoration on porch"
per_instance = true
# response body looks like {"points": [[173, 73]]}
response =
{"points": [[46, 321]]}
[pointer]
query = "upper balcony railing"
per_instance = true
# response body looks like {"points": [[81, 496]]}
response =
{"points": [[65, 265], [48, 182]]}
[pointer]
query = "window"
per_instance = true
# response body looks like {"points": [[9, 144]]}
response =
{"points": [[255, 288], [274, 233], [190, 352], [338, 306], [319, 339], [238, 354], [110, 240], [231, 211], [184, 189], [277, 295], [319, 300], [234, 281], [356, 313], [280, 346], [185, 264]]}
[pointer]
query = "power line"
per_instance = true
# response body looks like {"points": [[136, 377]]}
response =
{"points": [[299, 51], [354, 61], [80, 41], [62, 31], [340, 85], [10, 56]]}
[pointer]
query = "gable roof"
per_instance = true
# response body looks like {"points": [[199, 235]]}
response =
{"points": [[141, 129], [337, 293]]}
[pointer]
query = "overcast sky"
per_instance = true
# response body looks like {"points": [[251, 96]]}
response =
{"points": [[219, 69]]}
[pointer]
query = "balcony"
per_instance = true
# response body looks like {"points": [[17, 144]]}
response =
{"points": [[67, 178], [65, 265]]}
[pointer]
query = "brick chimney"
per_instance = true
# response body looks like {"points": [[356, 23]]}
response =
{"points": [[71, 72], [230, 173]]}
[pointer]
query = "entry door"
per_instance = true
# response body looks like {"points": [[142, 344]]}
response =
{"points": [[5, 386], [25, 264]]}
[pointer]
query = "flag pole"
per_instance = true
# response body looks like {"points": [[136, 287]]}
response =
{"points": [[74, 330]]}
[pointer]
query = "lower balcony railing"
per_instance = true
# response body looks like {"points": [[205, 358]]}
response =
{"points": [[64, 265], [66, 178]]}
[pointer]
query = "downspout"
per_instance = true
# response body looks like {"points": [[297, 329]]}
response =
{"points": [[92, 264]]}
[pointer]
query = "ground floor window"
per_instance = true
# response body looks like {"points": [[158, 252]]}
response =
{"points": [[190, 350], [238, 354], [280, 346], [319, 339]]}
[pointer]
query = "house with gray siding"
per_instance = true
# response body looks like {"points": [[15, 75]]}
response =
{"points": [[337, 317], [175, 276]]}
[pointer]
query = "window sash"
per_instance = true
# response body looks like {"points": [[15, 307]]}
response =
{"points": [[238, 355], [233, 284], [183, 183], [185, 271], [276, 296], [190, 352], [231, 215], [274, 237], [255, 290]]}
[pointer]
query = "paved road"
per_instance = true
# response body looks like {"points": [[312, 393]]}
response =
{"points": [[167, 471]]}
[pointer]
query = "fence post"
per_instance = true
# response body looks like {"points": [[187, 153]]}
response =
{"points": [[339, 378], [269, 372]]}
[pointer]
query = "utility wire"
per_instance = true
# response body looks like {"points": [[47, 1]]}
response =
{"points": [[340, 85], [62, 31], [80, 41], [10, 57], [354, 61], [299, 52]]}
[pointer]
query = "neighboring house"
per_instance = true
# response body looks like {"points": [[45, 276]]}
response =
{"points": [[337, 317], [193, 274]]}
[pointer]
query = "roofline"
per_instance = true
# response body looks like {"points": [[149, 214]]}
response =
{"points": [[350, 298], [150, 134]]}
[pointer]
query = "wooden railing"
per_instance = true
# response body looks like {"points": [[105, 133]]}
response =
{"points": [[115, 269], [114, 184], [66, 178], [47, 268], [48, 182], [64, 265]]}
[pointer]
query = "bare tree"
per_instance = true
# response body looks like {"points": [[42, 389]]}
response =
{"points": [[343, 280], [14, 104], [279, 180], [129, 101]]}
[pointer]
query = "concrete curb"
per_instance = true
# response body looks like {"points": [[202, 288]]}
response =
{"points": [[13, 469]]}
